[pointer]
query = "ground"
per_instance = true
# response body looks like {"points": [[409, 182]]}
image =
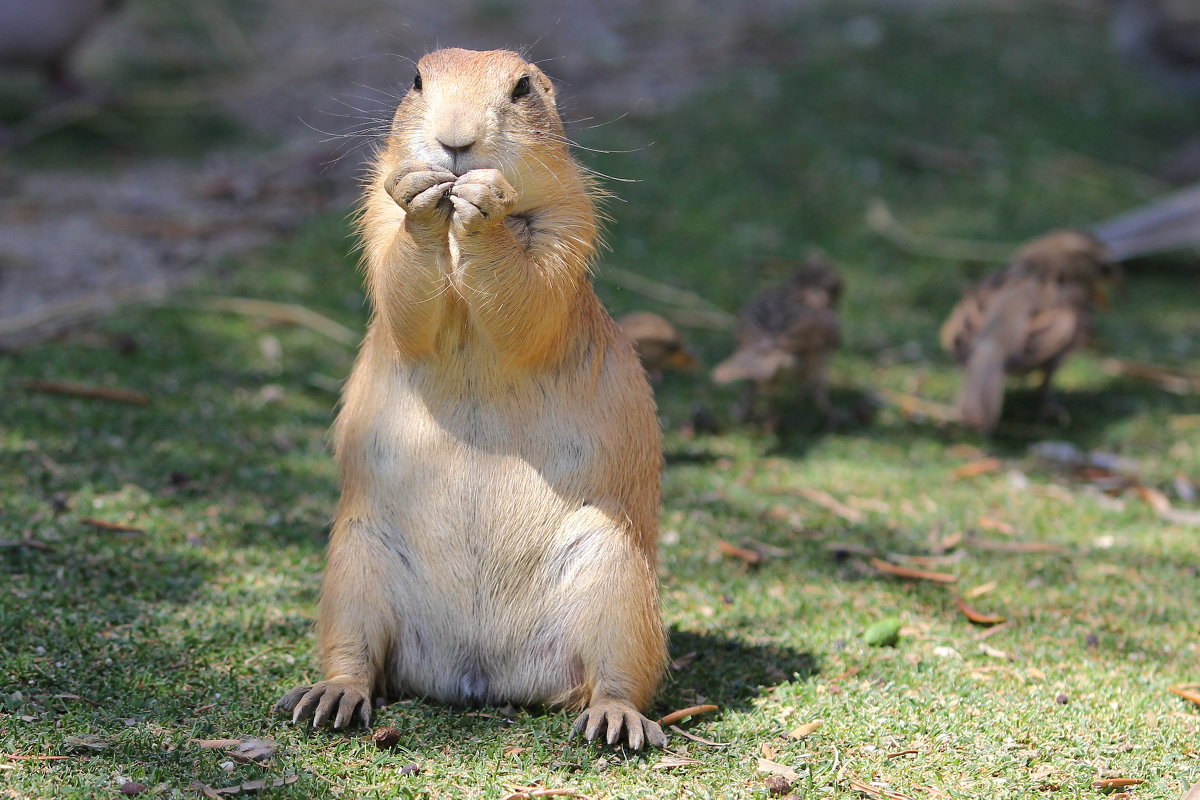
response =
{"points": [[125, 651]]}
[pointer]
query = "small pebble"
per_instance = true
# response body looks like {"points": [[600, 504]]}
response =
{"points": [[1062, 699], [777, 785], [411, 769], [386, 738], [132, 788]]}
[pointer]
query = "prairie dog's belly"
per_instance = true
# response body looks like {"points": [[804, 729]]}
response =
{"points": [[488, 510]]}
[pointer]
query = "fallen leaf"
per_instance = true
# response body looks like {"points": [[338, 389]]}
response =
{"points": [[217, 744], [899, 753], [978, 617], [684, 661], [1013, 547], [743, 553], [950, 541], [768, 751], [695, 738], [115, 527], [673, 762], [993, 524], [979, 591], [1192, 793], [909, 572], [683, 713], [874, 791], [126, 396], [251, 786], [1108, 784], [1187, 692], [994, 652], [256, 751], [830, 503], [884, 633], [774, 768], [801, 731], [975, 468]]}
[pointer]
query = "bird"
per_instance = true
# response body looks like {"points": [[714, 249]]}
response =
{"points": [[1026, 318], [786, 335], [1166, 48], [658, 344], [43, 35]]}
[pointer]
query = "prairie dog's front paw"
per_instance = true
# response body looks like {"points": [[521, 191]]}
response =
{"points": [[481, 198], [419, 188]]}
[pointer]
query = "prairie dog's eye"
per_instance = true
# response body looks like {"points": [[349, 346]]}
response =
{"points": [[522, 88], [417, 82]]}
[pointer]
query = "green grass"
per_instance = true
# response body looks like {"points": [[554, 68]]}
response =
{"points": [[192, 628]]}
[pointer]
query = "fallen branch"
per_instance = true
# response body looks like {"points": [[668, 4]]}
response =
{"points": [[283, 312], [697, 739], [913, 574], [1187, 692], [1172, 380], [830, 503], [114, 527], [881, 221], [691, 309], [127, 396], [683, 713]]}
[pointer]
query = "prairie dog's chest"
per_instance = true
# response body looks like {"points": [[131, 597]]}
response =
{"points": [[457, 449]]}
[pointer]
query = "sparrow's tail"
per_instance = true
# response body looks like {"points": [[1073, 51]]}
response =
{"points": [[982, 396]]}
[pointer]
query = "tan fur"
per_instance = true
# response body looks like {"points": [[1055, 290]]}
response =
{"points": [[499, 448], [1028, 317]]}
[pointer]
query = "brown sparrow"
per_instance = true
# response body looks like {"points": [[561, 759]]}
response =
{"points": [[786, 334], [658, 344], [1027, 317]]}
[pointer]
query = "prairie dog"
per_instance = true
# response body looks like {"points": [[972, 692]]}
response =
{"points": [[499, 447]]}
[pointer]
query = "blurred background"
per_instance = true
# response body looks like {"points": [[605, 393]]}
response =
{"points": [[151, 146]]}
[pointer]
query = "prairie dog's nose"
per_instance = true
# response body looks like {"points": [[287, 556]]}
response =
{"points": [[455, 150], [457, 129]]}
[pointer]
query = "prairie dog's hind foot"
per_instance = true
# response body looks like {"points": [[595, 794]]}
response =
{"points": [[618, 719], [341, 701]]}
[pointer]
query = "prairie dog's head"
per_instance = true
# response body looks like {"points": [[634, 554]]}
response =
{"points": [[469, 109]]}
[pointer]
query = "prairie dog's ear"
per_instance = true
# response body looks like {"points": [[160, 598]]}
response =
{"points": [[543, 83]]}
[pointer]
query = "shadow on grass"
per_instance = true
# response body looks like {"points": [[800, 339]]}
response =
{"points": [[727, 671]]}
